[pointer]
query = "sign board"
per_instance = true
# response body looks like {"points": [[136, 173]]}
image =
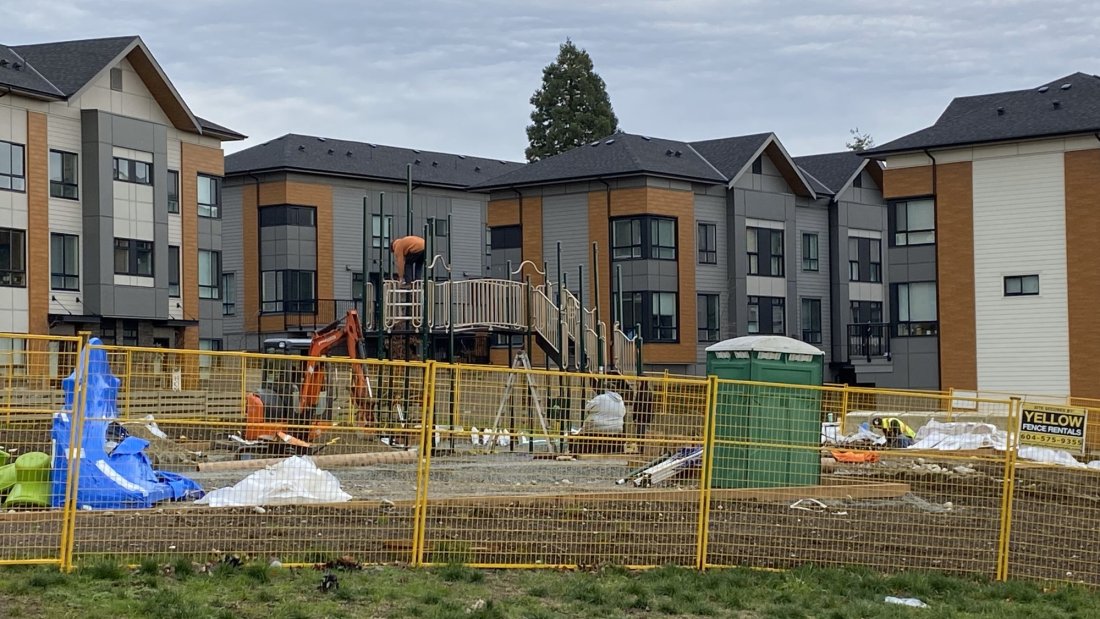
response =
{"points": [[1047, 425]]}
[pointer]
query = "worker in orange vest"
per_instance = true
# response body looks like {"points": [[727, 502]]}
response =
{"points": [[408, 251]]}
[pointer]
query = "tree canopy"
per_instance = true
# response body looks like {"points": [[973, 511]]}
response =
{"points": [[860, 141], [571, 108]]}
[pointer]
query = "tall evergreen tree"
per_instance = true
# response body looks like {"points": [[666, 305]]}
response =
{"points": [[571, 108]]}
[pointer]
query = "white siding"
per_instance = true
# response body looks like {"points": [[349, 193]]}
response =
{"points": [[63, 133], [1019, 229], [13, 214], [468, 242], [134, 100]]}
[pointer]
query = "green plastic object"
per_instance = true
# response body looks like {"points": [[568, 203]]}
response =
{"points": [[7, 478], [32, 481], [4, 457], [766, 435]]}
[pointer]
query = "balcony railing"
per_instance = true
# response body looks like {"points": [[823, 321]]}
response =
{"points": [[868, 340]]}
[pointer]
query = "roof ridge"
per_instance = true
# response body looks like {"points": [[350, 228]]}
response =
{"points": [[707, 161], [36, 71]]}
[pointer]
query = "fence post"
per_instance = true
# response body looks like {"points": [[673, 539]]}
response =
{"points": [[129, 382], [72, 459], [843, 416], [423, 469], [1008, 488], [703, 529]]}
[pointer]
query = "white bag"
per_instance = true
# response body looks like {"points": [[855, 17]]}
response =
{"points": [[294, 481], [604, 414]]}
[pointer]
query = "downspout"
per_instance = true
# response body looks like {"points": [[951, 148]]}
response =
{"points": [[522, 231], [936, 225]]}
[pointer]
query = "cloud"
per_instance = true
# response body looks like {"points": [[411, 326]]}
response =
{"points": [[456, 76]]}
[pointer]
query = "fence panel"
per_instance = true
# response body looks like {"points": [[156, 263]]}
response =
{"points": [[32, 471], [360, 441], [547, 470], [779, 499]]}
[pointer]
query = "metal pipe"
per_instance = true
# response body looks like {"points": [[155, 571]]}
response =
{"points": [[582, 362], [379, 304], [561, 323], [426, 285], [638, 347], [409, 198], [596, 297], [366, 256]]}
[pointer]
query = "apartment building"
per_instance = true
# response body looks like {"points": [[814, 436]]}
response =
{"points": [[993, 226], [295, 207], [709, 240], [109, 197]]}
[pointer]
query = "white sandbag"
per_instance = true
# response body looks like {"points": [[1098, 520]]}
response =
{"points": [[952, 436], [604, 414], [294, 481]]}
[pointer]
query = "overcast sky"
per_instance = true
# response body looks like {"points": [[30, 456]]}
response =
{"points": [[457, 76]]}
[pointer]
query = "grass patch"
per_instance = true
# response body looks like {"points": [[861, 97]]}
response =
{"points": [[255, 590]]}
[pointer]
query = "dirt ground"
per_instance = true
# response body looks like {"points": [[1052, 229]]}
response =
{"points": [[948, 521]]}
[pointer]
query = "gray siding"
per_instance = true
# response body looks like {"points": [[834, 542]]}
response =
{"points": [[713, 278], [233, 262], [468, 238], [813, 219], [565, 219]]}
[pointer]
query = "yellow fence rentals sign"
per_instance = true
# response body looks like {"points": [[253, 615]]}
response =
{"points": [[1045, 425]]}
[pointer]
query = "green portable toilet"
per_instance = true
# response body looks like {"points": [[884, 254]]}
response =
{"points": [[766, 434]]}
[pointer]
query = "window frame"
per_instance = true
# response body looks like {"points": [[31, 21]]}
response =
{"points": [[297, 215], [811, 241], [62, 182], [15, 275], [858, 308], [644, 239], [212, 210], [135, 249], [772, 303], [896, 229], [210, 282], [69, 281], [754, 248], [912, 328], [173, 191], [864, 261], [10, 176], [708, 331], [1019, 280], [706, 242], [635, 248], [281, 278], [131, 171], [381, 231], [810, 334], [659, 333], [229, 293], [174, 273]]}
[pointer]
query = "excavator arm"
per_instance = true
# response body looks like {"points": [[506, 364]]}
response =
{"points": [[348, 332]]}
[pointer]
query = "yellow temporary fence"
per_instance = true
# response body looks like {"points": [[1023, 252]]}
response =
{"points": [[431, 463]]}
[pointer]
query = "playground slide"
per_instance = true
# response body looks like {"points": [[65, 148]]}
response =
{"points": [[119, 479]]}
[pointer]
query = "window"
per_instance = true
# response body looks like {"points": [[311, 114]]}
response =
{"points": [[12, 175], [864, 260], [1021, 285], [210, 276], [116, 79], [173, 271], [440, 227], [133, 257], [13, 265], [63, 175], [809, 252], [708, 317], [129, 332], [64, 262], [131, 171], [632, 312], [643, 237], [229, 294], [357, 286], [210, 196], [206, 362], [286, 215], [626, 239], [766, 315], [913, 222], [173, 191], [663, 316], [758, 165], [857, 182], [506, 237], [914, 309], [811, 321], [765, 247], [708, 244], [866, 312], [288, 291], [381, 235]]}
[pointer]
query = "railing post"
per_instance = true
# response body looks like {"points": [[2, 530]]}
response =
{"points": [[638, 341], [424, 306], [379, 294], [582, 362], [597, 315]]}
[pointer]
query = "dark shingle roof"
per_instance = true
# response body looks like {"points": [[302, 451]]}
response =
{"points": [[220, 130], [17, 74], [833, 170], [1013, 115], [730, 155], [308, 153], [69, 65], [622, 154]]}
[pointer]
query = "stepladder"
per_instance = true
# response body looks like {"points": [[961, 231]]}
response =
{"points": [[520, 362]]}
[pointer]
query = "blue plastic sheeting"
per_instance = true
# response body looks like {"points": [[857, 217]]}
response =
{"points": [[124, 478]]}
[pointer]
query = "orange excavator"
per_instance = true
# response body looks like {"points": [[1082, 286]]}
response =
{"points": [[293, 405]]}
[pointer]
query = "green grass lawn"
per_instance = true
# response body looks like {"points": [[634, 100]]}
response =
{"points": [[255, 590]]}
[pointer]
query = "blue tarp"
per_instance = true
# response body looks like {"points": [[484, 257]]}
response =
{"points": [[123, 478]]}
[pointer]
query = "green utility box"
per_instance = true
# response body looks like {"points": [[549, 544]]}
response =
{"points": [[766, 434]]}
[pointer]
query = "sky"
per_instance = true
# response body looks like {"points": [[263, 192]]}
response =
{"points": [[457, 76]]}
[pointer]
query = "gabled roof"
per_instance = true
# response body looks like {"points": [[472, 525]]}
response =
{"points": [[307, 153], [1065, 106], [618, 155], [62, 70], [836, 171], [733, 156]]}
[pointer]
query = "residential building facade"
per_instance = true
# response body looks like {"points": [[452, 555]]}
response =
{"points": [[992, 234], [109, 189]]}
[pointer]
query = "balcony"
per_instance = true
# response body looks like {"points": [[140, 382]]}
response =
{"points": [[868, 340]]}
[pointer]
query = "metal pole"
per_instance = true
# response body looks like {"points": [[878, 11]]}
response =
{"points": [[561, 323], [582, 362], [424, 297], [379, 305], [619, 289], [366, 256], [596, 297], [638, 348], [530, 332], [409, 198]]}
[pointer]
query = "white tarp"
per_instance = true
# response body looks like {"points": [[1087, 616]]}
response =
{"points": [[294, 481], [604, 414]]}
